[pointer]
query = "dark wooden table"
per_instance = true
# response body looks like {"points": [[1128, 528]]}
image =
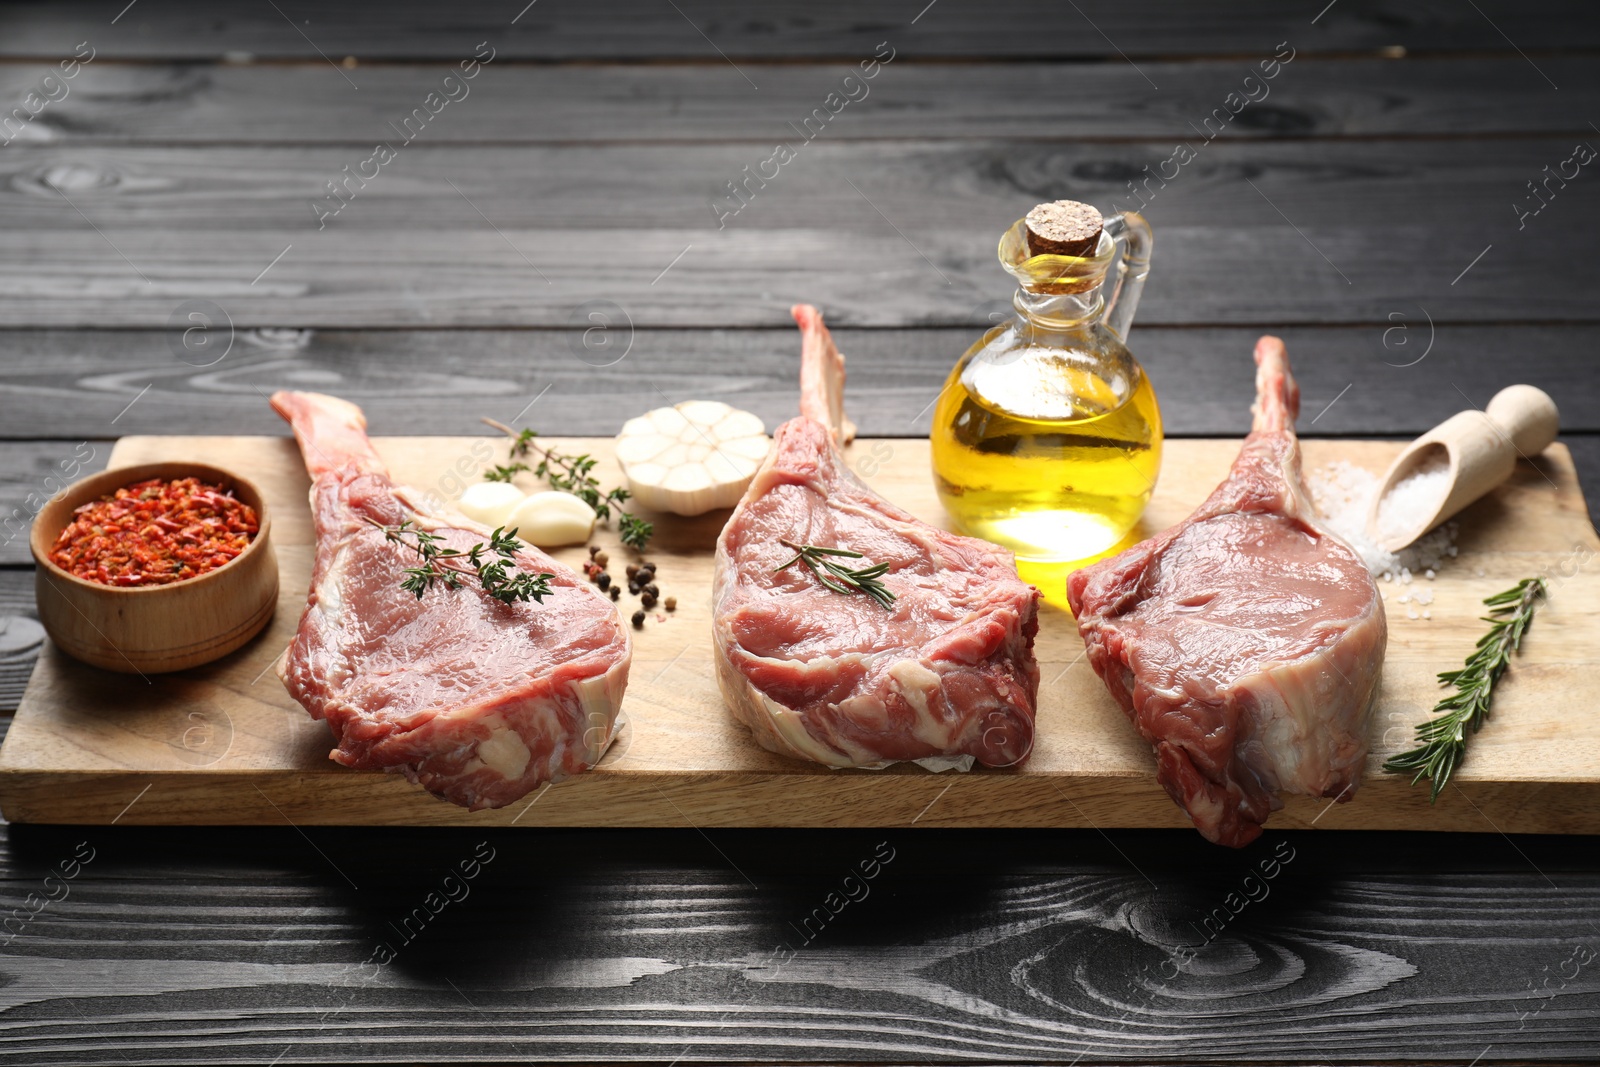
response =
{"points": [[163, 267]]}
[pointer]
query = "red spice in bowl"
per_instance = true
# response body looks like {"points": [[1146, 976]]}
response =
{"points": [[155, 532]]}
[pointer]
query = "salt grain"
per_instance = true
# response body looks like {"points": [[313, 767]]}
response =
{"points": [[1427, 614], [1411, 613], [1416, 497], [1343, 496]]}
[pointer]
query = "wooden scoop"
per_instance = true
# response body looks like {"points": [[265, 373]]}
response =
{"points": [[1477, 449]]}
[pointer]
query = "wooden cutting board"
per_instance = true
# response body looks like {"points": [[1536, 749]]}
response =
{"points": [[224, 744]]}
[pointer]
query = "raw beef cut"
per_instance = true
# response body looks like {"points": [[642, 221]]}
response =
{"points": [[1245, 643], [477, 700], [946, 673]]}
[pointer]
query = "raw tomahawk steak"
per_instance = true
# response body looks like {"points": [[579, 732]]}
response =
{"points": [[1245, 642], [476, 700], [946, 672]]}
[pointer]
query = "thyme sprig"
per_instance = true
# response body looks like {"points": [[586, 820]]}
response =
{"points": [[505, 473], [451, 567], [836, 576], [572, 474], [1443, 738]]}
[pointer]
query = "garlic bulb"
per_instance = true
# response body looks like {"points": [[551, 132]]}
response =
{"points": [[552, 518], [490, 503], [692, 457]]}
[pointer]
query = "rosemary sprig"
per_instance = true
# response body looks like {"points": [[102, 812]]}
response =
{"points": [[445, 565], [572, 474], [1443, 738], [837, 576]]}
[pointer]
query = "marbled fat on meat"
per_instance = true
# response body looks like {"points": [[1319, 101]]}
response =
{"points": [[1246, 642], [948, 671], [477, 700]]}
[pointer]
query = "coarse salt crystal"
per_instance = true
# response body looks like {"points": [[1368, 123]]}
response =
{"points": [[1416, 497], [1411, 613], [1427, 614], [1343, 496]]}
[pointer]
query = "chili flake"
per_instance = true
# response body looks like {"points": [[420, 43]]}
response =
{"points": [[155, 532]]}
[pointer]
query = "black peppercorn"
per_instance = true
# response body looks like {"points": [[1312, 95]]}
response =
{"points": [[648, 600], [638, 620], [616, 592], [652, 589], [604, 581]]}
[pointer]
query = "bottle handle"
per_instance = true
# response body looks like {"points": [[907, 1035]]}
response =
{"points": [[1134, 241]]}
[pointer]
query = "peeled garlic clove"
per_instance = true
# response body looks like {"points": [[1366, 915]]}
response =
{"points": [[692, 457], [552, 518], [490, 503]]}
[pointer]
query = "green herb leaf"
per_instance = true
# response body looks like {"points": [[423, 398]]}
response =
{"points": [[635, 532], [575, 475], [1442, 739], [521, 443], [504, 474], [838, 577], [449, 566]]}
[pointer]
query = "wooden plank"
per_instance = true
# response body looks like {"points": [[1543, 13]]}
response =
{"points": [[73, 383], [30, 473], [925, 187], [645, 946], [117, 103], [84, 738], [212, 224], [704, 28], [21, 637]]}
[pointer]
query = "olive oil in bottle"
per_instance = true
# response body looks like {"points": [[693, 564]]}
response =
{"points": [[1047, 436], [1057, 462]]}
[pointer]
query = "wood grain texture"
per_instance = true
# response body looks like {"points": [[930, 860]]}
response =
{"points": [[21, 636], [74, 383], [225, 744], [562, 29], [31, 473], [518, 240], [965, 947], [131, 103], [246, 946]]}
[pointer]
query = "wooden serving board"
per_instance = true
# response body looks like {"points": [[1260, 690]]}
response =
{"points": [[224, 744]]}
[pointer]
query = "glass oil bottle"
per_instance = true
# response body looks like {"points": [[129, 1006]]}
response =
{"points": [[1047, 436]]}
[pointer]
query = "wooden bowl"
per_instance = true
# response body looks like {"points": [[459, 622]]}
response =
{"points": [[156, 628]]}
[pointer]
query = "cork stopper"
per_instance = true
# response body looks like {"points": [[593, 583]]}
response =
{"points": [[1063, 228]]}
